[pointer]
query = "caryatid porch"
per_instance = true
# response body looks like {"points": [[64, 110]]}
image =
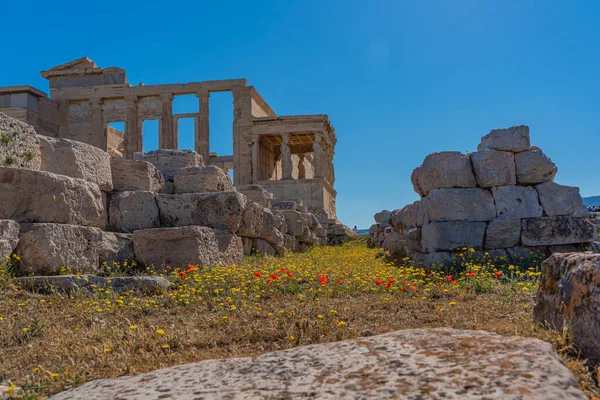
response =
{"points": [[292, 157]]}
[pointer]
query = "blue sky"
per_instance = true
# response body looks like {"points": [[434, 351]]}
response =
{"points": [[399, 79]]}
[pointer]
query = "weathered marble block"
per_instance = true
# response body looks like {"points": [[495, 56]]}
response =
{"points": [[181, 246], [514, 139], [9, 238], [517, 201], [448, 169], [130, 211], [77, 160], [503, 232], [19, 146], [170, 162], [534, 167], [202, 179], [558, 199], [472, 204], [451, 235], [546, 231], [257, 194], [132, 175], [494, 168]]}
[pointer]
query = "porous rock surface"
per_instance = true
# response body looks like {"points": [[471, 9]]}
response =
{"points": [[9, 237], [135, 175], [202, 179], [569, 297], [410, 364], [89, 283], [19, 146], [77, 160], [170, 162]]}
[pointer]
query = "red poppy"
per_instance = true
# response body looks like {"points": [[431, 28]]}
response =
{"points": [[471, 274], [405, 282], [274, 277], [378, 281], [438, 283], [449, 277], [387, 286], [498, 274], [339, 281], [414, 288], [404, 289], [454, 282], [391, 281], [282, 270], [182, 274], [168, 267], [257, 274], [289, 274], [427, 271]]}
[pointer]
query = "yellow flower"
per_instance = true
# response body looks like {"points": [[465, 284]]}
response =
{"points": [[36, 370], [320, 316], [160, 332], [132, 327], [291, 338], [341, 323], [11, 388], [165, 346], [25, 330], [452, 303]]}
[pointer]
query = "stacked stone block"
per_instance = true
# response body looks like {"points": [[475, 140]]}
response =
{"points": [[164, 208], [500, 199]]}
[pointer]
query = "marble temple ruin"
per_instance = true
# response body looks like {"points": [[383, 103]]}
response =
{"points": [[290, 156]]}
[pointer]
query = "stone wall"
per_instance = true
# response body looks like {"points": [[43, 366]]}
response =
{"points": [[499, 201], [76, 207]]}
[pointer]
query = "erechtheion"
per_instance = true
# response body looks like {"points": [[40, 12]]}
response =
{"points": [[290, 156]]}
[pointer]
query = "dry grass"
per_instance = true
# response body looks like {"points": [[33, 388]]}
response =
{"points": [[51, 343]]}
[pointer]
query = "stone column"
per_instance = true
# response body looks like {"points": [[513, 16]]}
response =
{"points": [[242, 135], [255, 158], [99, 130], [133, 135], [202, 129], [166, 138], [63, 117], [286, 157], [301, 169], [318, 150]]}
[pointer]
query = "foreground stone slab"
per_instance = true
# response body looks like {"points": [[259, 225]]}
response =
{"points": [[514, 139], [9, 238], [36, 196], [170, 162], [222, 210], [452, 235], [446, 169], [446, 363], [77, 160], [473, 204], [546, 231], [19, 146], [134, 175], [45, 248], [204, 179], [179, 247], [89, 283], [569, 296]]}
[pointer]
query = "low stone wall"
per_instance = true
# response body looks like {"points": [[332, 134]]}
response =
{"points": [[500, 201], [76, 207]]}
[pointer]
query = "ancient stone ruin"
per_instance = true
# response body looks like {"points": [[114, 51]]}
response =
{"points": [[501, 200], [65, 203]]}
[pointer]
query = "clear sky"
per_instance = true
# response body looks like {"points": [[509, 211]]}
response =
{"points": [[399, 79]]}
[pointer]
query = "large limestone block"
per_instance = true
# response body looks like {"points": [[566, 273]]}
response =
{"points": [[9, 238], [257, 194], [405, 218], [414, 241], [77, 160], [444, 363], [280, 222], [179, 247], [394, 242], [130, 211], [558, 199], [202, 179], [221, 210], [68, 284], [533, 167], [546, 231], [517, 201], [514, 139], [132, 175], [170, 162], [45, 248], [382, 217], [448, 169], [36, 196], [263, 247], [116, 247], [569, 297], [494, 168], [294, 222], [451, 235], [503, 232], [473, 204], [19, 146], [252, 224]]}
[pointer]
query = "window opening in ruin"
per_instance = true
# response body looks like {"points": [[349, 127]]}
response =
{"points": [[150, 134], [185, 132], [116, 139], [220, 122]]}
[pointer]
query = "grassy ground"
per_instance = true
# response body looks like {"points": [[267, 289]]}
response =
{"points": [[51, 343]]}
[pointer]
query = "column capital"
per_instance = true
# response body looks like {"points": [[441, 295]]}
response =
{"points": [[285, 136], [203, 94], [255, 137]]}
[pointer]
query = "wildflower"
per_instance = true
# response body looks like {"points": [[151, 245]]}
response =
{"points": [[391, 281], [320, 316], [11, 389], [414, 288], [449, 277], [160, 332], [257, 274], [290, 275], [168, 267], [182, 274], [471, 274], [404, 289], [498, 274], [291, 338], [386, 286], [341, 323], [25, 330], [165, 346], [452, 303], [378, 281]]}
